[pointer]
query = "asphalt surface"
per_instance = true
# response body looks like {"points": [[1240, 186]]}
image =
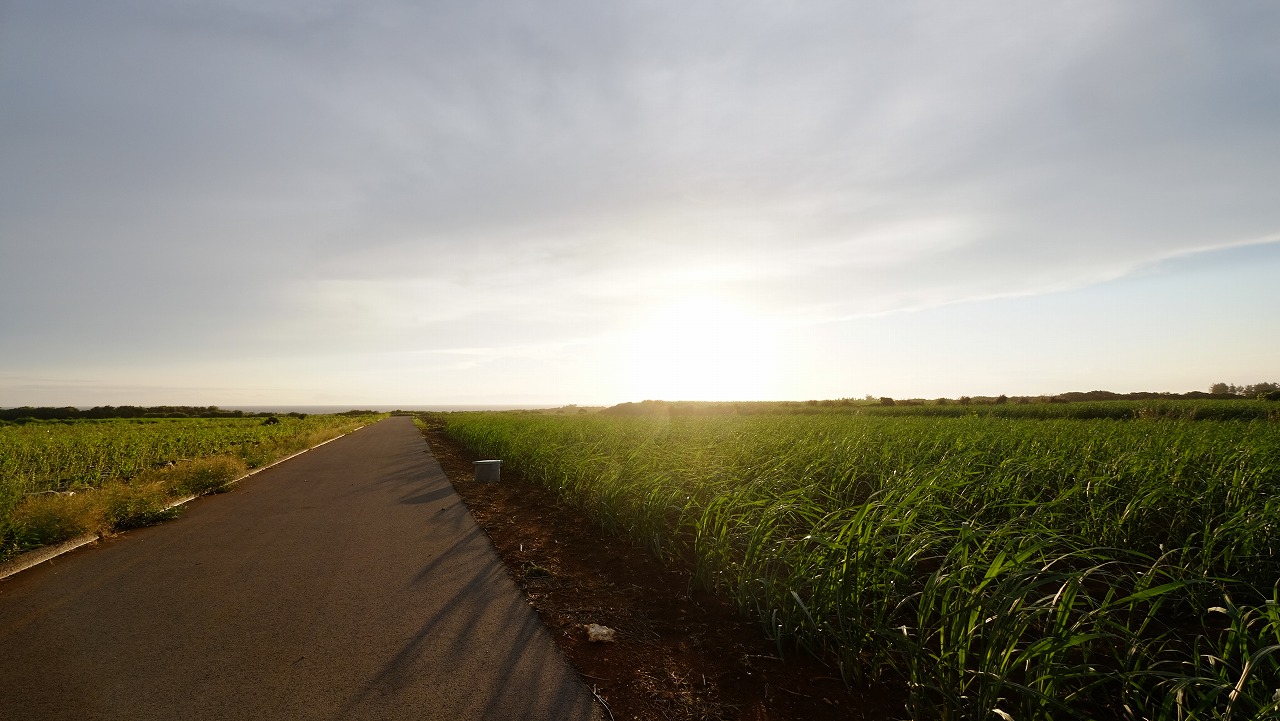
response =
{"points": [[347, 583]]}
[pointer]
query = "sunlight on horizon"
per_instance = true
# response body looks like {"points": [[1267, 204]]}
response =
{"points": [[701, 347]]}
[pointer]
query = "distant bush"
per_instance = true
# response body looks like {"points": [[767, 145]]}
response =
{"points": [[204, 475], [133, 505], [45, 518]]}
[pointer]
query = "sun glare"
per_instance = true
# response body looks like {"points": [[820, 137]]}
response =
{"points": [[701, 348]]}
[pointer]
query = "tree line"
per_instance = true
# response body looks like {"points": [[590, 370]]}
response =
{"points": [[1267, 391]]}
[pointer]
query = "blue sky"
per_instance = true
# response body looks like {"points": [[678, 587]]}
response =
{"points": [[577, 202]]}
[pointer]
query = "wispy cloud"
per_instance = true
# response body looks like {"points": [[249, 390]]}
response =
{"points": [[288, 176]]}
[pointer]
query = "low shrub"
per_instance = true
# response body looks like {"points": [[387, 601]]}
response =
{"points": [[204, 475], [46, 518], [132, 505]]}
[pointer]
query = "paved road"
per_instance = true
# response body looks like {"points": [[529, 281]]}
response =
{"points": [[347, 583]]}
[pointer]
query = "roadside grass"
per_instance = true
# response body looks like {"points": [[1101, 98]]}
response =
{"points": [[64, 480], [47, 519], [1028, 568]]}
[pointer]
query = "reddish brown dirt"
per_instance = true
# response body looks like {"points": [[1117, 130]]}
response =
{"points": [[679, 654]]}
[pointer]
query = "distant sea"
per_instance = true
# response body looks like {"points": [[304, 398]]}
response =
{"points": [[380, 409]]}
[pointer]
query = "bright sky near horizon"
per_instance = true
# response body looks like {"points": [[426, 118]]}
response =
{"points": [[392, 202]]}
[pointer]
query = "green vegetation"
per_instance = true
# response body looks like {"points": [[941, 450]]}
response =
{"points": [[62, 479], [1001, 565], [1204, 410], [45, 413], [1221, 409]]}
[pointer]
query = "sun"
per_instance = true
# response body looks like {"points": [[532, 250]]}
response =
{"points": [[700, 347]]}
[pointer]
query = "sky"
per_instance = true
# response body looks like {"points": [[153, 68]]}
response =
{"points": [[323, 202]]}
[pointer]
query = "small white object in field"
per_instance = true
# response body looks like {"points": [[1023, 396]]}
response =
{"points": [[598, 634]]}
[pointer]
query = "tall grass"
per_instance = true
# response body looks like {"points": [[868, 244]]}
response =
{"points": [[63, 479], [1002, 568]]}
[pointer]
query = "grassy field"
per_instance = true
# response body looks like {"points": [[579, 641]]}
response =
{"points": [[62, 479], [1121, 410], [1054, 565]]}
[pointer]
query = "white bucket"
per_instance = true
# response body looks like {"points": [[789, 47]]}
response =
{"points": [[488, 471]]}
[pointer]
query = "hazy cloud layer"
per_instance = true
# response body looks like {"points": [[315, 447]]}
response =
{"points": [[414, 177]]}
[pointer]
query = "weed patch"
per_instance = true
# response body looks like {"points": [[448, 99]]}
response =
{"points": [[132, 505], [203, 475], [48, 518]]}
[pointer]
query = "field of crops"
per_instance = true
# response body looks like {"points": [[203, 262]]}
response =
{"points": [[1121, 410], [62, 479], [1026, 568]]}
